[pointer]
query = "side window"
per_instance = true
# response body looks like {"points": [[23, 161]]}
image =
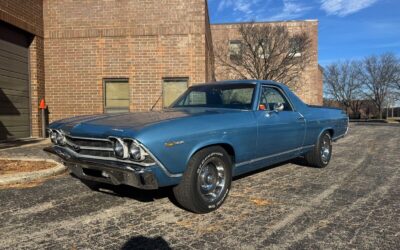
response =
{"points": [[116, 95], [271, 96], [196, 98], [241, 96]]}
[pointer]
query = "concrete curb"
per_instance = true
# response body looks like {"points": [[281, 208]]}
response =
{"points": [[43, 142], [31, 176]]}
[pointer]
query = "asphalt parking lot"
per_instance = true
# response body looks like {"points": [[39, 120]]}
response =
{"points": [[353, 203]]}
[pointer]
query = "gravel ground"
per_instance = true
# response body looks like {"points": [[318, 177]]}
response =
{"points": [[353, 203]]}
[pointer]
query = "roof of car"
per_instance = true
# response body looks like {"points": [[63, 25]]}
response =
{"points": [[241, 82]]}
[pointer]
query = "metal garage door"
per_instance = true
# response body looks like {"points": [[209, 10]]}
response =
{"points": [[14, 91]]}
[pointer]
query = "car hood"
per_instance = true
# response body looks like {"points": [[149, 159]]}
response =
{"points": [[106, 124]]}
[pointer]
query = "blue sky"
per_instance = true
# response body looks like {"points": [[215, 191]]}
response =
{"points": [[348, 29]]}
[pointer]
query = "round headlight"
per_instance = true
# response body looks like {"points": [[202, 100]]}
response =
{"points": [[118, 149], [121, 149], [135, 152], [53, 136], [60, 139]]}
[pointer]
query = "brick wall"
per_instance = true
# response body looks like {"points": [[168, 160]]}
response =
{"points": [[310, 89], [144, 41], [37, 81], [24, 14], [28, 16], [209, 53]]}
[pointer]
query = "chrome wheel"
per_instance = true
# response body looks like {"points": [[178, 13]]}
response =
{"points": [[211, 179], [326, 149]]}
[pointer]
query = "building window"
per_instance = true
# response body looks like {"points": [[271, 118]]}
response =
{"points": [[116, 95], [172, 89], [235, 50], [295, 47]]}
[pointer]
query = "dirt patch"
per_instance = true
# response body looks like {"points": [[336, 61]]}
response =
{"points": [[261, 202], [31, 184], [15, 166]]}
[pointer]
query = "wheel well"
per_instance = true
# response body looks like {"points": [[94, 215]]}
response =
{"points": [[331, 132], [228, 148]]}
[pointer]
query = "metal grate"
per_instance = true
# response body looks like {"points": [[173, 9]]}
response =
{"points": [[90, 142]]}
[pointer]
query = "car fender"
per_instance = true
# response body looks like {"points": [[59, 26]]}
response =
{"points": [[208, 143], [323, 130]]}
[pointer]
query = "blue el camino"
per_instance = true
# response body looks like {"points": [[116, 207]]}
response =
{"points": [[208, 135]]}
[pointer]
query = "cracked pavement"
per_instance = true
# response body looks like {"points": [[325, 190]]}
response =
{"points": [[353, 203]]}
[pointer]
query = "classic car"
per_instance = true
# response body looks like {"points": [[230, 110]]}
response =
{"points": [[210, 134]]}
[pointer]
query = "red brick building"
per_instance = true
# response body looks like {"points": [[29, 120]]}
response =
{"points": [[96, 56]]}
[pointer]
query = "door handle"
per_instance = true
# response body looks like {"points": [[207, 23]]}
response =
{"points": [[301, 118], [270, 113]]}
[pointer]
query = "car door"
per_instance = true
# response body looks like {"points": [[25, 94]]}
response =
{"points": [[280, 134]]}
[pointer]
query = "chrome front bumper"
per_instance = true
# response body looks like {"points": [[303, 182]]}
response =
{"points": [[115, 173]]}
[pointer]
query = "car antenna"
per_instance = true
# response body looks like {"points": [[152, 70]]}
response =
{"points": [[154, 105]]}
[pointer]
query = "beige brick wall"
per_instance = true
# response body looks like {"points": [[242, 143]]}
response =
{"points": [[310, 89], [144, 41]]}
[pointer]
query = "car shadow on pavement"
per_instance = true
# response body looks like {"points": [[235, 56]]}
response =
{"points": [[132, 192], [128, 191], [141, 242], [297, 161], [165, 192]]}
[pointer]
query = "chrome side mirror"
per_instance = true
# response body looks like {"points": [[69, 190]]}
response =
{"points": [[278, 107]]}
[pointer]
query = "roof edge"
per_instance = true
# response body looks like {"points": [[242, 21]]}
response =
{"points": [[281, 21]]}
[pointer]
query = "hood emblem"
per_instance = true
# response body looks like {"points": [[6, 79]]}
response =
{"points": [[173, 143]]}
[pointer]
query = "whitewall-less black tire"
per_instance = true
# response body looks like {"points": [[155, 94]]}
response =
{"points": [[206, 181], [322, 152]]}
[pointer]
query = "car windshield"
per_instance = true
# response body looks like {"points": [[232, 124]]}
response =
{"points": [[232, 96]]}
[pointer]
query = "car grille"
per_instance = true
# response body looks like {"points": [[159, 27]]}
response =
{"points": [[87, 142], [91, 147], [98, 148]]}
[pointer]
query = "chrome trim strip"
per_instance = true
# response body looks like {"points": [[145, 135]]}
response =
{"points": [[88, 148], [309, 146], [271, 156], [96, 149], [348, 125], [87, 138], [338, 137], [75, 154]]}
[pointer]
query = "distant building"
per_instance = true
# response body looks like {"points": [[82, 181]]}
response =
{"points": [[98, 56], [366, 110]]}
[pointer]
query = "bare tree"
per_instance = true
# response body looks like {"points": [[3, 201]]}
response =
{"points": [[396, 83], [342, 83], [378, 74], [266, 52]]}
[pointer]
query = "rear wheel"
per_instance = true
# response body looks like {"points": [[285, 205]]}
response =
{"points": [[321, 153], [206, 182]]}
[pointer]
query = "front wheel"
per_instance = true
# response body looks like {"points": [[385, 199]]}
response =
{"points": [[206, 181], [321, 153]]}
